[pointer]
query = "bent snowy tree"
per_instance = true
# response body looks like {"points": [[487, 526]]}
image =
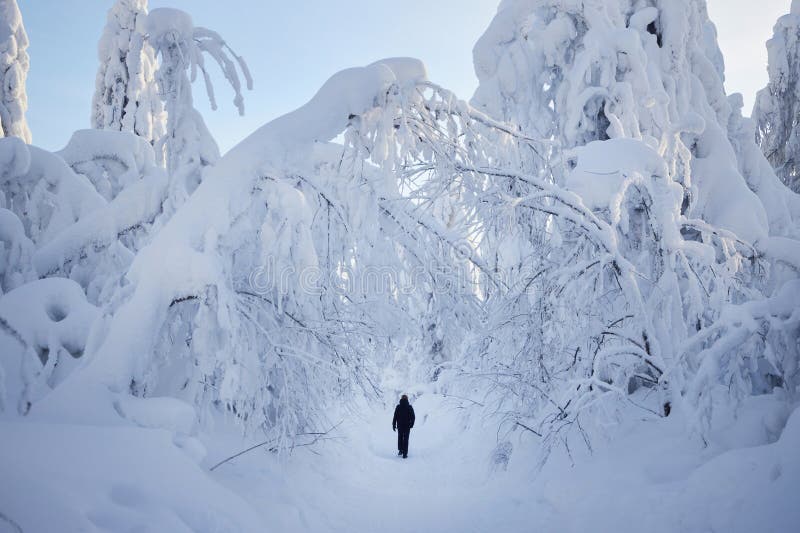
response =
{"points": [[267, 352]]}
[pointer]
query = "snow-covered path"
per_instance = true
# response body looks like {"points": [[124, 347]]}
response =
{"points": [[652, 476], [359, 484]]}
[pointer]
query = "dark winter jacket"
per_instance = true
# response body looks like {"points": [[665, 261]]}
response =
{"points": [[403, 415]]}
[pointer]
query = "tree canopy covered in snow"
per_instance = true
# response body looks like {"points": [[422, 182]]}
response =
{"points": [[635, 221]]}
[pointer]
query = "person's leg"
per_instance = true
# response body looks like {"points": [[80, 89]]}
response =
{"points": [[399, 441], [404, 441]]}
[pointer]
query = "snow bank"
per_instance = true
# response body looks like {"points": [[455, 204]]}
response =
{"points": [[749, 489], [110, 479]]}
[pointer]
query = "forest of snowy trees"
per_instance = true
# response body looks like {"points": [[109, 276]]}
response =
{"points": [[597, 236]]}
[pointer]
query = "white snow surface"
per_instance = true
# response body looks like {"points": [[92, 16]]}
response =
{"points": [[644, 476]]}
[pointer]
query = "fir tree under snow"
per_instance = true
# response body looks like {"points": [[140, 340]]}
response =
{"points": [[14, 64], [586, 277], [777, 107], [126, 97]]}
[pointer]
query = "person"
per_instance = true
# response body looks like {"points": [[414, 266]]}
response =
{"points": [[402, 422]]}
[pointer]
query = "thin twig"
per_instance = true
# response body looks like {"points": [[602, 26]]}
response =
{"points": [[520, 424], [251, 448]]}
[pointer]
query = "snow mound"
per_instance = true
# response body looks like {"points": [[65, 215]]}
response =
{"points": [[44, 326]]}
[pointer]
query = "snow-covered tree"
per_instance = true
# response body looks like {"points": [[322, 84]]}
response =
{"points": [[14, 64], [242, 302], [630, 227], [777, 107], [180, 48], [126, 96]]}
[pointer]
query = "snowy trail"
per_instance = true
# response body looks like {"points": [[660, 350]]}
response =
{"points": [[359, 484]]}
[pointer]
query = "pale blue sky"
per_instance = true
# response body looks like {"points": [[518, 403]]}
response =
{"points": [[293, 47]]}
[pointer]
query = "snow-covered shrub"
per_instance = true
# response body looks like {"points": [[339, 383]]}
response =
{"points": [[126, 96], [42, 190], [777, 107], [14, 64], [84, 223], [44, 326], [97, 248]]}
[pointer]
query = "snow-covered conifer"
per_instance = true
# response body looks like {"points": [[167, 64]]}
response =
{"points": [[14, 65], [126, 96], [777, 107]]}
